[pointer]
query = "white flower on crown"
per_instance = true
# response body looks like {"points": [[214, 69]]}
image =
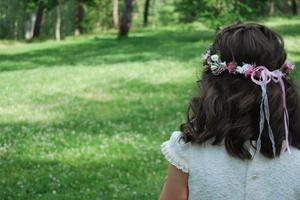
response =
{"points": [[242, 69], [239, 70], [223, 64], [214, 67], [214, 57]]}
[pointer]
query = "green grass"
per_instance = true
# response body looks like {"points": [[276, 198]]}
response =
{"points": [[84, 118]]}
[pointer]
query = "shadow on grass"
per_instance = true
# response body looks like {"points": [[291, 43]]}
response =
{"points": [[58, 179], [109, 51]]}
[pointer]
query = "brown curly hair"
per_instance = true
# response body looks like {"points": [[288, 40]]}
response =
{"points": [[229, 105]]}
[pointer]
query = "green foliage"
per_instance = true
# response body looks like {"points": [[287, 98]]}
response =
{"points": [[11, 19], [100, 14], [253, 8], [67, 21], [218, 13], [167, 15], [213, 13], [12, 14], [48, 4], [190, 10]]}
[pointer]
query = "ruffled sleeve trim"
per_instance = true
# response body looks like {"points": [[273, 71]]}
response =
{"points": [[172, 156]]}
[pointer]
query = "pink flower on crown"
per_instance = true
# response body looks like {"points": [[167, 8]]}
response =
{"points": [[257, 74], [231, 68], [249, 70], [288, 70], [288, 67], [288, 64], [221, 69], [205, 56]]}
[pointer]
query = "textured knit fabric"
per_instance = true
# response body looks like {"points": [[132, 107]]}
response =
{"points": [[213, 174]]}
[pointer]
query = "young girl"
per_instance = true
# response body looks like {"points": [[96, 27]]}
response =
{"points": [[241, 139]]}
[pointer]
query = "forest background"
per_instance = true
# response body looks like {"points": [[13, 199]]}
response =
{"points": [[29, 19], [90, 89]]}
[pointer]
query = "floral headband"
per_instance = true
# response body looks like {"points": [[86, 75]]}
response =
{"points": [[217, 66], [260, 75]]}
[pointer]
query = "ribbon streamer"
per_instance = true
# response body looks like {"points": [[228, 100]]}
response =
{"points": [[265, 77]]}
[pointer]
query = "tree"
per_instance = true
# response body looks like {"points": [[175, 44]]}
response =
{"points": [[27, 26], [79, 13], [126, 17], [116, 14], [45, 5], [146, 11], [18, 18], [294, 7], [154, 14], [286, 6], [271, 8], [38, 21], [58, 21]]}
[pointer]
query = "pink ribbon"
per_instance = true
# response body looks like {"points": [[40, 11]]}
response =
{"points": [[265, 77]]}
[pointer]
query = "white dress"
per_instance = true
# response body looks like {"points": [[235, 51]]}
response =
{"points": [[213, 174]]}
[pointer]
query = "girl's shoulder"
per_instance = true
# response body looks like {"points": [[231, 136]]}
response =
{"points": [[182, 154], [176, 151]]}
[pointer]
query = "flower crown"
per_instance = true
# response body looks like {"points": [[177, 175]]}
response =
{"points": [[214, 63]]}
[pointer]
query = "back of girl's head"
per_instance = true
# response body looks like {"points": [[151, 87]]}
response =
{"points": [[228, 108], [250, 43]]}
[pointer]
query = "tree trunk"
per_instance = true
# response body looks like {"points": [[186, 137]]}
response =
{"points": [[79, 12], [115, 14], [154, 23], [294, 7], [271, 12], [27, 26], [126, 17], [154, 15], [26, 23], [33, 20], [58, 21], [38, 21], [236, 10], [15, 30], [146, 11], [286, 5]]}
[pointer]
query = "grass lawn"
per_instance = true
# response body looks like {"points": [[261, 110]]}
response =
{"points": [[84, 118]]}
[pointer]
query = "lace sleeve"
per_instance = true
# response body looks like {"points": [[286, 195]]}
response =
{"points": [[177, 152]]}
